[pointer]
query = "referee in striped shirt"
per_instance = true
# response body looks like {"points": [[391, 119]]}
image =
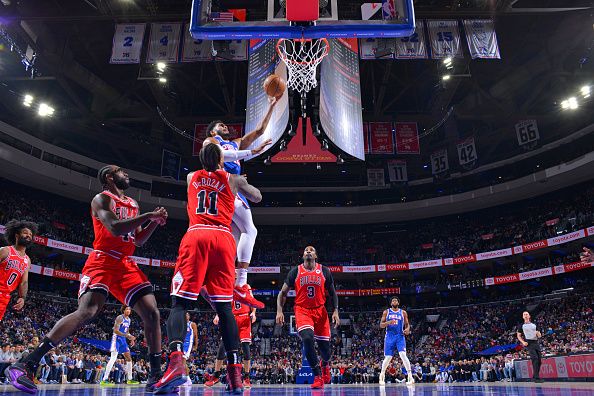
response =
{"points": [[528, 337]]}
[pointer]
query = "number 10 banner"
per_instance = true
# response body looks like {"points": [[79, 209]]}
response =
{"points": [[127, 43], [164, 42], [444, 37]]}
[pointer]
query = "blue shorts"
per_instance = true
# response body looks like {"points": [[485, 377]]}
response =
{"points": [[394, 343], [243, 200], [119, 344]]}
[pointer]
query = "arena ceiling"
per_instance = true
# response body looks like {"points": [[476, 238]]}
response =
{"points": [[108, 112]]}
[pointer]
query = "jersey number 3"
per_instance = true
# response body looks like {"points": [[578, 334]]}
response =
{"points": [[211, 203], [311, 292]]}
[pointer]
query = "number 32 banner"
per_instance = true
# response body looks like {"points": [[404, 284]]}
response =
{"points": [[444, 37], [164, 42], [127, 43]]}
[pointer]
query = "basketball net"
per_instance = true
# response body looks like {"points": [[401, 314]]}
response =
{"points": [[302, 57]]}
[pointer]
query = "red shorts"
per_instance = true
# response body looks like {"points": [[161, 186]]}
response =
{"points": [[120, 277], [244, 324], [315, 319], [206, 258], [4, 301]]}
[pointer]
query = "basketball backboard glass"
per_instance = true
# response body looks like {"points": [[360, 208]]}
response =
{"points": [[248, 19]]}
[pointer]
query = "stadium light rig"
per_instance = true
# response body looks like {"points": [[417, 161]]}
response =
{"points": [[586, 89], [28, 100], [161, 66], [45, 110], [446, 77], [447, 62]]}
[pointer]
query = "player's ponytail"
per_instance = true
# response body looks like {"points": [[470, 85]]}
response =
{"points": [[210, 157]]}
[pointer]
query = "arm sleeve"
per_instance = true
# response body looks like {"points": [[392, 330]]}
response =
{"points": [[231, 155], [291, 277], [329, 285]]}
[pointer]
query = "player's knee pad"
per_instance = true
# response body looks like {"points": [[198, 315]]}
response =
{"points": [[245, 350]]}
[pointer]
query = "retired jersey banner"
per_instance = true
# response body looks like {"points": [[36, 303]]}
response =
{"points": [[376, 178], [376, 48], [196, 50], [237, 51], [164, 43], [527, 132], [413, 47], [407, 138], [382, 141], [127, 43], [397, 170], [439, 161], [481, 38], [444, 37], [467, 151]]}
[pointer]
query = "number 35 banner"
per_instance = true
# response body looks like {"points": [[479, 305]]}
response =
{"points": [[444, 37], [127, 43], [164, 42], [439, 161]]}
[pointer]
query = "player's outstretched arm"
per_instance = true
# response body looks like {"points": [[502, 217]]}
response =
{"points": [[142, 235], [101, 208], [280, 303], [240, 184], [249, 138], [406, 323]]}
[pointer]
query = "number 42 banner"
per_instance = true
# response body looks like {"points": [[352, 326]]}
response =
{"points": [[467, 151]]}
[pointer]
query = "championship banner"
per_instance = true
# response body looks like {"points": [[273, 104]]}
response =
{"points": [[170, 164], [195, 50], [467, 151], [444, 37], [527, 132], [375, 48], [164, 43], [412, 47], [376, 178], [127, 43], [382, 141], [439, 161], [397, 171], [481, 38], [407, 138]]}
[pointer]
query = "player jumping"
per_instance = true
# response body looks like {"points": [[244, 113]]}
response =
{"points": [[234, 151], [119, 345], [311, 280], [109, 269], [207, 258], [244, 316], [395, 321], [15, 263]]}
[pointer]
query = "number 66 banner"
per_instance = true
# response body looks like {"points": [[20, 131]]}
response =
{"points": [[164, 42], [127, 43], [527, 132]]}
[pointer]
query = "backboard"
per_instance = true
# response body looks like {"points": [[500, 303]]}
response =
{"points": [[250, 19]]}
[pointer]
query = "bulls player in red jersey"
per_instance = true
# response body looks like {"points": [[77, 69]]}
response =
{"points": [[206, 258], [244, 316], [311, 281], [119, 228], [14, 263]]}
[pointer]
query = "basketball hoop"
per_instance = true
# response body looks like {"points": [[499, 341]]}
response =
{"points": [[302, 57]]}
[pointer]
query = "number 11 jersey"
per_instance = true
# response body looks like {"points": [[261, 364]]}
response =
{"points": [[210, 199]]}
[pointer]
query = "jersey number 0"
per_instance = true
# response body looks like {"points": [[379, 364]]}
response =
{"points": [[211, 203]]}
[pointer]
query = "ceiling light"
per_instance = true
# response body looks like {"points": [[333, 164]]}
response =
{"points": [[565, 104], [447, 60], [324, 145], [28, 100], [161, 66], [446, 77], [162, 80], [586, 91], [45, 110], [573, 104]]}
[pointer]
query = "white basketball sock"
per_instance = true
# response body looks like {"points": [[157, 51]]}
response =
{"points": [[129, 371], [241, 276], [110, 363], [406, 363], [385, 364]]}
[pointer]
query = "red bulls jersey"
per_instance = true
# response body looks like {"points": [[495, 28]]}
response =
{"points": [[241, 309], [116, 245], [310, 287], [12, 270], [210, 199]]}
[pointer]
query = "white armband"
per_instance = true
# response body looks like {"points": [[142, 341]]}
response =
{"points": [[231, 155]]}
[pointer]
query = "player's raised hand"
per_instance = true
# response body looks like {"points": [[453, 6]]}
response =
{"points": [[20, 304], [587, 256], [215, 321], [261, 147], [280, 318], [159, 215], [335, 319], [272, 100]]}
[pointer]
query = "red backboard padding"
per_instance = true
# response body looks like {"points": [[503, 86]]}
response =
{"points": [[303, 10]]}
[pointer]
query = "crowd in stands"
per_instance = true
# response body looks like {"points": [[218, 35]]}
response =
{"points": [[442, 348], [491, 229]]}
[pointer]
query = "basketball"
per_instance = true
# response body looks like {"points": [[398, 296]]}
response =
{"points": [[274, 86]]}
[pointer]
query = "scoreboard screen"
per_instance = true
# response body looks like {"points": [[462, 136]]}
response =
{"points": [[340, 97]]}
